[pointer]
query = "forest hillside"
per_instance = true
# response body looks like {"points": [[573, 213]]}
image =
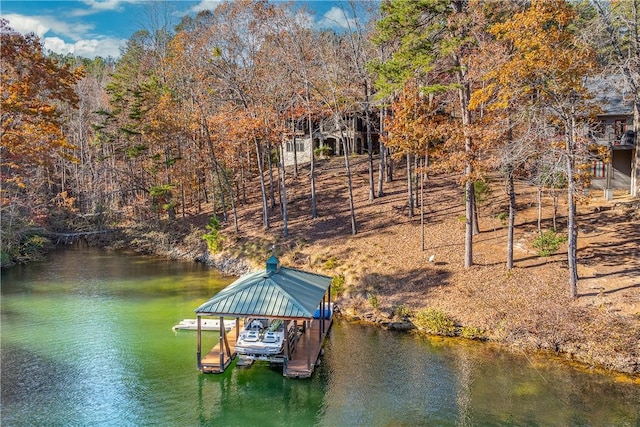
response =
{"points": [[390, 280], [245, 129]]}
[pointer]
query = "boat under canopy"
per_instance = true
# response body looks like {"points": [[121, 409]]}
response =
{"points": [[292, 327]]}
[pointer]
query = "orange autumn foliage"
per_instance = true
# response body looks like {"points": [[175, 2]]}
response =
{"points": [[33, 88]]}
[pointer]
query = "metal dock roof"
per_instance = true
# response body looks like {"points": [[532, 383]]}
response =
{"points": [[273, 292]]}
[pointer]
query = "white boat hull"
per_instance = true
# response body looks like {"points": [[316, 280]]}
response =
{"points": [[260, 342], [205, 325]]}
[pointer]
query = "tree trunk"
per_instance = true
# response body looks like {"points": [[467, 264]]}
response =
{"points": [[312, 172], [369, 145], [233, 202], [512, 219], [468, 247], [243, 180], [635, 165], [263, 190], [283, 198], [416, 187], [409, 187], [422, 242], [476, 220], [295, 155], [555, 210], [205, 127], [572, 230], [354, 228], [183, 197], [382, 154], [272, 195], [539, 210], [216, 169]]}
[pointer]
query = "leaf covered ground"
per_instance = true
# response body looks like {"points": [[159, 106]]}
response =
{"points": [[387, 274], [386, 271]]}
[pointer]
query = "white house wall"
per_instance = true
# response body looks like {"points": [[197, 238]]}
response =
{"points": [[302, 155]]}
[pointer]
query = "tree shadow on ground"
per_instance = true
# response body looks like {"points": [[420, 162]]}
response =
{"points": [[408, 288]]}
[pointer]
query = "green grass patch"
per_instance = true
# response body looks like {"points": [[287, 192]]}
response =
{"points": [[337, 284], [373, 300], [330, 263], [472, 332], [547, 243], [435, 322], [402, 311]]}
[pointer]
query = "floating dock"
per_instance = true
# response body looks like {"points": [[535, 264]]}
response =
{"points": [[221, 355], [302, 300], [307, 351]]}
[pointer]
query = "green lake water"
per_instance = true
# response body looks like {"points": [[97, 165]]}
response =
{"points": [[87, 340]]}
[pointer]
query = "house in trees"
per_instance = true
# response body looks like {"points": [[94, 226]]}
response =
{"points": [[327, 138], [614, 131]]}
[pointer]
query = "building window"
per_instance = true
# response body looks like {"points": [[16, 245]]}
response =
{"points": [[597, 169], [620, 127], [299, 146]]}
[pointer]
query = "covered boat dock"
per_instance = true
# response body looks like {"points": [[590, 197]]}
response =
{"points": [[302, 300]]}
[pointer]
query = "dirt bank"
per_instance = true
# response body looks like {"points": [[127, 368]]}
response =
{"points": [[389, 278]]}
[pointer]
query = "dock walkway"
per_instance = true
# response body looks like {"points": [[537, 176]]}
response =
{"points": [[307, 351], [302, 362], [215, 361]]}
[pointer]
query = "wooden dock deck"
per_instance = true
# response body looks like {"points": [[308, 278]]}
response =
{"points": [[215, 362], [307, 351], [301, 365]]}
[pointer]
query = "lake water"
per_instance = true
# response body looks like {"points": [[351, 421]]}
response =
{"points": [[86, 340]]}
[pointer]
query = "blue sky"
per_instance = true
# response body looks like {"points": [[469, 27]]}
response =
{"points": [[92, 28]]}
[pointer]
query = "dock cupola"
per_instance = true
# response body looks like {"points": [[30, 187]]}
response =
{"points": [[273, 265]]}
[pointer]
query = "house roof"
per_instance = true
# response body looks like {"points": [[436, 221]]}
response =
{"points": [[274, 292], [612, 94]]}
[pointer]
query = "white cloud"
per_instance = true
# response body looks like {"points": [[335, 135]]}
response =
{"points": [[80, 44], [56, 44], [27, 24], [108, 46], [336, 17], [205, 5], [97, 6], [88, 48], [100, 5], [41, 25]]}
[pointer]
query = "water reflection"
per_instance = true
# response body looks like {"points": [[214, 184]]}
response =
{"points": [[373, 370], [257, 396], [381, 378]]}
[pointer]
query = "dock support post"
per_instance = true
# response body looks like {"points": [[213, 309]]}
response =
{"points": [[287, 347], [199, 355], [222, 350], [223, 332], [322, 314], [306, 342]]}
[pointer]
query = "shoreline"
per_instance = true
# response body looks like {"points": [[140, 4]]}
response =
{"points": [[351, 308], [388, 280]]}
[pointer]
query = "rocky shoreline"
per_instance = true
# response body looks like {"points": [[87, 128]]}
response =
{"points": [[351, 308], [390, 282]]}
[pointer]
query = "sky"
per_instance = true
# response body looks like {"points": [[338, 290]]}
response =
{"points": [[91, 28]]}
